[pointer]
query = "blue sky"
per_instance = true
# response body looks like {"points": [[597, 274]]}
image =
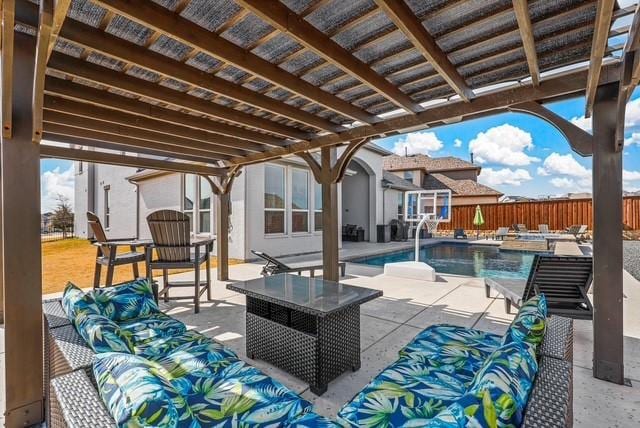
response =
{"points": [[519, 154]]}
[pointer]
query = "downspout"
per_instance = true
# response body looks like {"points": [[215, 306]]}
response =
{"points": [[137, 207]]}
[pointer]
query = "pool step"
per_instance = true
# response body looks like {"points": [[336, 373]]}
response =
{"points": [[525, 245]]}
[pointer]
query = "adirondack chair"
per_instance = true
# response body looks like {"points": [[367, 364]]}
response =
{"points": [[107, 252], [171, 234], [543, 228], [565, 282]]}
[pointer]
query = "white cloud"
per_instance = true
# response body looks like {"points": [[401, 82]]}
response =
{"points": [[457, 142], [564, 183], [504, 144], [418, 143], [557, 164], [497, 177], [54, 183], [633, 139], [630, 175], [582, 122]]}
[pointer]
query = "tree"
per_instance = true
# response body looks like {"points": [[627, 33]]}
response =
{"points": [[62, 217]]}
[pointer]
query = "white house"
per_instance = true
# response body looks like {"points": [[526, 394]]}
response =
{"points": [[275, 206]]}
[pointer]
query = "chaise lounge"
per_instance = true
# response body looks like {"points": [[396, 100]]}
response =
{"points": [[275, 266], [113, 359]]}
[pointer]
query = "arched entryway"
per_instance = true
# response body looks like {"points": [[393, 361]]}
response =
{"points": [[358, 198]]}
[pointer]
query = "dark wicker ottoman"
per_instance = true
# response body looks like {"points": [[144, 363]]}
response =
{"points": [[306, 326]]}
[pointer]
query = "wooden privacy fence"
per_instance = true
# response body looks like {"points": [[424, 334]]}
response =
{"points": [[558, 214]]}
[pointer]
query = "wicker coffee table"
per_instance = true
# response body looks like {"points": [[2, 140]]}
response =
{"points": [[306, 326]]}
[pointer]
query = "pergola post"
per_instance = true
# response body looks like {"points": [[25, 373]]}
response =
{"points": [[329, 172], [21, 268], [221, 187], [330, 251], [223, 202], [607, 239]]}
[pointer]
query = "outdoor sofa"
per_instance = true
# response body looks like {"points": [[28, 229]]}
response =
{"points": [[113, 359], [181, 372], [450, 376]]}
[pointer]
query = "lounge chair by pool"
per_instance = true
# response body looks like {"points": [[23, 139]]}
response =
{"points": [[275, 266], [564, 280], [543, 228], [501, 233]]}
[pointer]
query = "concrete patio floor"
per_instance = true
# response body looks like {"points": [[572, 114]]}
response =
{"points": [[407, 307]]}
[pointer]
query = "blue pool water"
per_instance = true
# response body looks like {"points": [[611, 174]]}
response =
{"points": [[464, 259]]}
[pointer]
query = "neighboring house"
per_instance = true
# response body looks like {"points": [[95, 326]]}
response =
{"points": [[275, 207], [443, 173]]}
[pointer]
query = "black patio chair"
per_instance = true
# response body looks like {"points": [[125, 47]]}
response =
{"points": [[275, 266], [107, 252], [459, 233], [564, 281], [171, 234]]}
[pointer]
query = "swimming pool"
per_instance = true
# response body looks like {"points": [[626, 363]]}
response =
{"points": [[463, 259]]}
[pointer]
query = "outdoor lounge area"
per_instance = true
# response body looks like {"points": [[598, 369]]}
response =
{"points": [[209, 88]]}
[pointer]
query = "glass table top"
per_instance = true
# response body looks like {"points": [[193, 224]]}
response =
{"points": [[311, 295]]}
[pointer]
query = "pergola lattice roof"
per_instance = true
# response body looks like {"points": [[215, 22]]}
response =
{"points": [[225, 82]]}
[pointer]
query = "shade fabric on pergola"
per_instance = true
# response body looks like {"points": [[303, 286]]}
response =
{"points": [[209, 86]]}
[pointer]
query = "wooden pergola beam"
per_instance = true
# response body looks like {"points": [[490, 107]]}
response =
{"points": [[43, 45], [629, 75], [521, 9], [75, 108], [97, 97], [408, 23], [131, 53], [6, 55], [98, 144], [604, 13], [56, 152], [130, 144], [60, 9], [163, 20], [558, 86], [285, 20], [139, 134], [107, 77]]}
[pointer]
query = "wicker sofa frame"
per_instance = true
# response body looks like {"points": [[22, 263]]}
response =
{"points": [[72, 400]]}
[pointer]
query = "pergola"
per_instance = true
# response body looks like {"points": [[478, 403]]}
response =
{"points": [[209, 86]]}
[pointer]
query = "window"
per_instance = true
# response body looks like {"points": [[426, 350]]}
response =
{"points": [[197, 203], [400, 205], [317, 207], [274, 199], [80, 167], [204, 207], [299, 200], [408, 175], [107, 207]]}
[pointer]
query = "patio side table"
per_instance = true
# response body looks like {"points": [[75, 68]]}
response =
{"points": [[308, 327]]}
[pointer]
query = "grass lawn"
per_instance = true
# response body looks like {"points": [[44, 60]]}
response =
{"points": [[74, 260]]}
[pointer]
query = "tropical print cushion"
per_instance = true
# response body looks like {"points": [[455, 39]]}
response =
{"points": [[465, 349], [311, 420], [161, 346], [138, 393], [406, 393], [127, 301], [76, 301], [241, 395], [511, 369], [152, 326], [102, 334], [486, 408], [530, 322]]}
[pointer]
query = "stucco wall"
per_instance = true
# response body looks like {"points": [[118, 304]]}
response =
{"points": [[81, 200], [465, 174], [158, 193], [391, 204]]}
